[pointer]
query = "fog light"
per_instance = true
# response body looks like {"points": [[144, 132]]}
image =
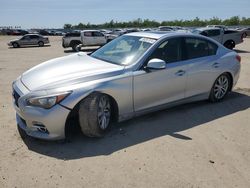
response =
{"points": [[40, 127]]}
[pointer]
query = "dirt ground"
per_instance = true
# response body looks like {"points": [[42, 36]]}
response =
{"points": [[193, 145]]}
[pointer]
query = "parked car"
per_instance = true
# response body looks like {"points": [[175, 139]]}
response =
{"points": [[229, 38], [71, 39], [92, 38], [132, 75], [29, 39], [245, 31]]}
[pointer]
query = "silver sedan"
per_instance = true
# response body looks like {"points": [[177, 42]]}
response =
{"points": [[134, 74]]}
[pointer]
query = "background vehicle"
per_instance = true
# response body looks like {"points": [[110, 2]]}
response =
{"points": [[72, 39], [29, 39], [92, 38], [229, 38], [132, 75]]}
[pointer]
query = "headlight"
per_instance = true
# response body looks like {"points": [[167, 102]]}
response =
{"points": [[47, 101]]}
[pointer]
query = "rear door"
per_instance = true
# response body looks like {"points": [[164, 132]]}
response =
{"points": [[87, 38], [25, 40], [34, 39], [99, 38], [202, 65]]}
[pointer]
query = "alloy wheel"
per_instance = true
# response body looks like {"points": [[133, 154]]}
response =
{"points": [[221, 87], [104, 112]]}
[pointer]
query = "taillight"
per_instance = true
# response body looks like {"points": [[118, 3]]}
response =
{"points": [[238, 58]]}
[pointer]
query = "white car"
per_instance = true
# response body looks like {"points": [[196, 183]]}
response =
{"points": [[229, 38]]}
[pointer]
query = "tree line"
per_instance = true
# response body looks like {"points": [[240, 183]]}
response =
{"points": [[146, 23]]}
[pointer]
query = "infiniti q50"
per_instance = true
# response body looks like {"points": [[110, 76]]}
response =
{"points": [[134, 74]]}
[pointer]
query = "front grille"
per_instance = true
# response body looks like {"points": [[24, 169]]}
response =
{"points": [[16, 97]]}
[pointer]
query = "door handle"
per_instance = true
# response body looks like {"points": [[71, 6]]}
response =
{"points": [[215, 65], [180, 73]]}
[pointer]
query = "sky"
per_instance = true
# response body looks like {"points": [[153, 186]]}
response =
{"points": [[55, 13]]}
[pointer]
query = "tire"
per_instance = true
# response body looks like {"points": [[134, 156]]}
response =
{"points": [[95, 115], [75, 47], [229, 44], [15, 45], [220, 88], [40, 43]]}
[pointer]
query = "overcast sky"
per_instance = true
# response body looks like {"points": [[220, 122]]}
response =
{"points": [[55, 13]]}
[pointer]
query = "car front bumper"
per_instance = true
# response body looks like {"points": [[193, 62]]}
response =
{"points": [[47, 124]]}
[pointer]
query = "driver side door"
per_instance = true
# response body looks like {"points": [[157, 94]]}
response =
{"points": [[153, 88]]}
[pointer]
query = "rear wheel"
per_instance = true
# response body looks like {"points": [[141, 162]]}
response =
{"points": [[40, 43], [220, 88], [75, 47], [229, 44], [95, 115]]}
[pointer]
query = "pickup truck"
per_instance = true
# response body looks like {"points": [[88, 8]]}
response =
{"points": [[72, 39], [229, 38], [92, 38], [83, 38]]}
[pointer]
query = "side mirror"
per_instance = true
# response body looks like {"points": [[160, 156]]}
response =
{"points": [[156, 64]]}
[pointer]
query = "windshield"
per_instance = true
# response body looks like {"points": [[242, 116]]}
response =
{"points": [[124, 50], [195, 31]]}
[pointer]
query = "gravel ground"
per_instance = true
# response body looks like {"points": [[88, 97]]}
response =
{"points": [[193, 145]]}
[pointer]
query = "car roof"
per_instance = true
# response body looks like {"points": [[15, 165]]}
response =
{"points": [[89, 30], [159, 34], [207, 28]]}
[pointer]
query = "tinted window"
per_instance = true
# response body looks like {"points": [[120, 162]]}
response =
{"points": [[88, 34], [195, 48], [169, 51], [230, 31], [25, 38], [72, 34], [97, 34], [212, 48], [34, 36], [204, 33], [214, 32]]}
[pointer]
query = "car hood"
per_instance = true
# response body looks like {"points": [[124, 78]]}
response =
{"points": [[14, 40], [68, 70]]}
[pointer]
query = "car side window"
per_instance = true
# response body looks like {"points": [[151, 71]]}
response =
{"points": [[195, 48], [25, 38], [169, 50], [97, 34], [88, 34], [212, 48], [34, 36], [213, 33]]}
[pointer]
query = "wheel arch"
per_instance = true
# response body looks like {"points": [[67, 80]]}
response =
{"points": [[74, 42], [73, 115]]}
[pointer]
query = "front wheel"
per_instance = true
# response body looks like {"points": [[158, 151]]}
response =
{"points": [[95, 115], [15, 45], [40, 44], [220, 88]]}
